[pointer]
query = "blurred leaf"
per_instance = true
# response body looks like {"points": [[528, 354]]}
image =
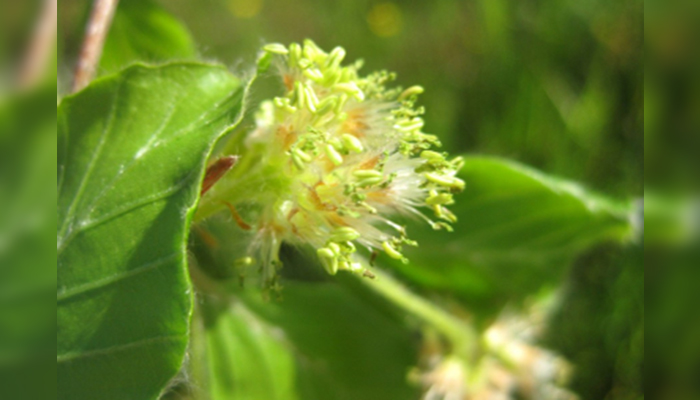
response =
{"points": [[247, 358], [345, 347], [132, 149], [599, 323], [27, 220], [143, 31], [518, 229], [673, 327], [669, 220]]}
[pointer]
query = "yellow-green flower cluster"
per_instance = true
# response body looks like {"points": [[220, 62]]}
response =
{"points": [[333, 158]]}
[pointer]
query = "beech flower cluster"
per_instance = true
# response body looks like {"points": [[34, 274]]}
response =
{"points": [[332, 160]]}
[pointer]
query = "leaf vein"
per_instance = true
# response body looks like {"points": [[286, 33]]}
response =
{"points": [[124, 168], [89, 224], [67, 221], [71, 356], [112, 279]]}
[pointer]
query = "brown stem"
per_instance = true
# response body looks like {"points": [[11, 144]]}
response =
{"points": [[40, 48], [95, 34]]}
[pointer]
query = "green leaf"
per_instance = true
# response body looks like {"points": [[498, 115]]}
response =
{"points": [[518, 229], [346, 347], [132, 150], [143, 31], [27, 222], [247, 358]]}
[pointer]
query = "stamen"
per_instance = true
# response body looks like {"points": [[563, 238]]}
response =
{"points": [[333, 154], [412, 91], [344, 234], [352, 143], [237, 217], [392, 252], [276, 48]]}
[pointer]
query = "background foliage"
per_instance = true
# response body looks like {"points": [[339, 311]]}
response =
{"points": [[552, 86]]}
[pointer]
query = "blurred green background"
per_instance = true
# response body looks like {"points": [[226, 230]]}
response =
{"points": [[555, 84]]}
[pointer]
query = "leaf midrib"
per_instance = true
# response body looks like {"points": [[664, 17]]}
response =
{"points": [[69, 216], [71, 356], [112, 279]]}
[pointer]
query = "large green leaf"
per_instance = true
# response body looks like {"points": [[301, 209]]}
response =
{"points": [[143, 31], [27, 223], [518, 229], [132, 149]]}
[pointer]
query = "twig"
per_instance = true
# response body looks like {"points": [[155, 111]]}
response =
{"points": [[95, 34], [40, 47]]}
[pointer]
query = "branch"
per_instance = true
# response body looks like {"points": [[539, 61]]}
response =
{"points": [[95, 34], [40, 47]]}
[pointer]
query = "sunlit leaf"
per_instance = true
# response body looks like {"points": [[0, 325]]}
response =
{"points": [[131, 153]]}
